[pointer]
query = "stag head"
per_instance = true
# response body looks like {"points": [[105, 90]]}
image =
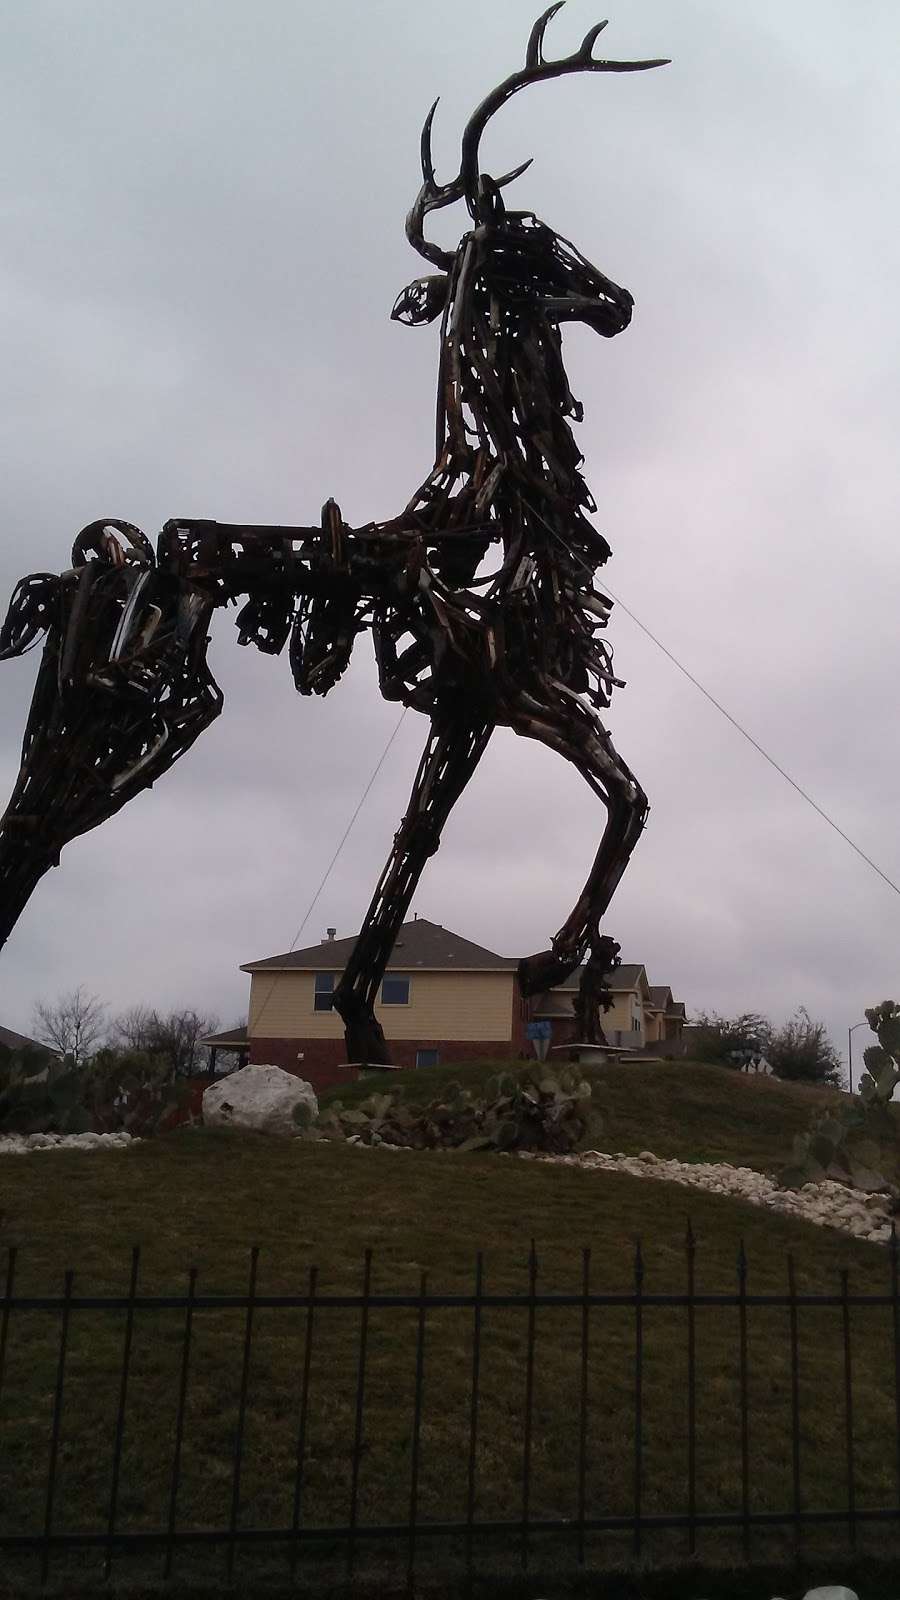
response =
{"points": [[522, 260]]}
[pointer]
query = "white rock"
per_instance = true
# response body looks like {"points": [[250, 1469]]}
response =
{"points": [[262, 1099], [831, 1591], [827, 1204], [17, 1145]]}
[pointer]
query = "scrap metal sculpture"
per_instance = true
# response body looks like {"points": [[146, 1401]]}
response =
{"points": [[124, 687]]}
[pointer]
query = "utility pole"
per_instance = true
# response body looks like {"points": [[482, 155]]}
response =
{"points": [[850, 1033]]}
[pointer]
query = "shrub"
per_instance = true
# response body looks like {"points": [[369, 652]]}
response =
{"points": [[802, 1052], [731, 1041]]}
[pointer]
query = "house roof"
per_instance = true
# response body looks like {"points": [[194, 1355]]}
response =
{"points": [[660, 996], [427, 947], [10, 1040], [231, 1039], [421, 945], [620, 981]]}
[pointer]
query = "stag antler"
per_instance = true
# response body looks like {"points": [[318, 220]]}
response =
{"points": [[433, 196], [536, 68], [466, 185]]}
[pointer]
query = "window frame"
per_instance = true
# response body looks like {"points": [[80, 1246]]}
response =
{"points": [[326, 995], [395, 977], [423, 1066]]}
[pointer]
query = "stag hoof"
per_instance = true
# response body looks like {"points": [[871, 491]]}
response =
{"points": [[366, 1044], [545, 970]]}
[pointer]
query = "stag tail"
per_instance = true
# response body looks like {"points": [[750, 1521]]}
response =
{"points": [[467, 184]]}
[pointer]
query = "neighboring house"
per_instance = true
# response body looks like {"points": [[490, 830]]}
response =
{"points": [[625, 1024], [10, 1040], [233, 1045], [665, 1017], [443, 998]]}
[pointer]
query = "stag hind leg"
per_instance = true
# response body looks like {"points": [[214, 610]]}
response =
{"points": [[576, 731], [454, 749]]}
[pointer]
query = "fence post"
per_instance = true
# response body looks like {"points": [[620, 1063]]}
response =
{"points": [[895, 1325], [473, 1409], [745, 1407], [7, 1308], [583, 1429], [795, 1397], [417, 1431], [120, 1415], [179, 1420], [529, 1404], [690, 1251], [242, 1413], [848, 1406], [56, 1425], [638, 1391], [360, 1402], [301, 1430]]}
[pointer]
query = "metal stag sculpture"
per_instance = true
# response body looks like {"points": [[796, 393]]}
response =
{"points": [[124, 688]]}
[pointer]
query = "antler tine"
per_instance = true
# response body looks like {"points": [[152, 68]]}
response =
{"points": [[587, 43], [433, 195], [534, 51], [425, 147]]}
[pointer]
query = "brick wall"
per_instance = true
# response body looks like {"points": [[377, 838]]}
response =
{"points": [[322, 1062]]}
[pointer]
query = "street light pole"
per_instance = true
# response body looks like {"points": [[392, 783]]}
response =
{"points": [[850, 1033]]}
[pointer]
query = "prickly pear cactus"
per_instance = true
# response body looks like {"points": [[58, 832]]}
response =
{"points": [[530, 1110], [40, 1094], [848, 1143]]}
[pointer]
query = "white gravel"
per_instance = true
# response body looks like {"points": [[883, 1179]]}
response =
{"points": [[830, 1205], [22, 1144]]}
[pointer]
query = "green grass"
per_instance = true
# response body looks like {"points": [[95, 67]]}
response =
{"points": [[203, 1198]]}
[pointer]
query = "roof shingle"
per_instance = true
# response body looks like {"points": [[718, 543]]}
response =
{"points": [[420, 945]]}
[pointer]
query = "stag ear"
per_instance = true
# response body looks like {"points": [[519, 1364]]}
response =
{"points": [[422, 300]]}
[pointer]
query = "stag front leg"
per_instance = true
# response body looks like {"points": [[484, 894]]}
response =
{"points": [[578, 734], [123, 690], [451, 755]]}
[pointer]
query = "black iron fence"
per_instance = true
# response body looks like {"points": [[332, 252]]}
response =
{"points": [[521, 1446]]}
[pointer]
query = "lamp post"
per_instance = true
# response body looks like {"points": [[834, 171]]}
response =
{"points": [[850, 1033]]}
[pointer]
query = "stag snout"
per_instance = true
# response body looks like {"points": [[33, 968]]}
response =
{"points": [[607, 312]]}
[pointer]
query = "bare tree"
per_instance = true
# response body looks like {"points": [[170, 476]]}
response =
{"points": [[74, 1024], [132, 1029], [177, 1036]]}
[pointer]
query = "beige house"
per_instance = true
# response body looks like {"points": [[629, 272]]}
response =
{"points": [[443, 998]]}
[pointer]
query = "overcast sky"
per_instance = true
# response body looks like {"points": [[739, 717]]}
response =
{"points": [[203, 238]]}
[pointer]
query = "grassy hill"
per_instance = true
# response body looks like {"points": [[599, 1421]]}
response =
{"points": [[203, 1198], [674, 1108]]}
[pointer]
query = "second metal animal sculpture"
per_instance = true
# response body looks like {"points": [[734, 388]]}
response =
{"points": [[124, 687]]}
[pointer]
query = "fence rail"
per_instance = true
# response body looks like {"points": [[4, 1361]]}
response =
{"points": [[426, 1312]]}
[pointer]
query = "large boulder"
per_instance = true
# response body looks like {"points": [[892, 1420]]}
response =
{"points": [[263, 1099]]}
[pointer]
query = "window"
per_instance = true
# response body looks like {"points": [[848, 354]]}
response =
{"points": [[427, 1058], [394, 991], [324, 991]]}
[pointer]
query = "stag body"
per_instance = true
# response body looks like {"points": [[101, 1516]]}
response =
{"points": [[124, 687]]}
